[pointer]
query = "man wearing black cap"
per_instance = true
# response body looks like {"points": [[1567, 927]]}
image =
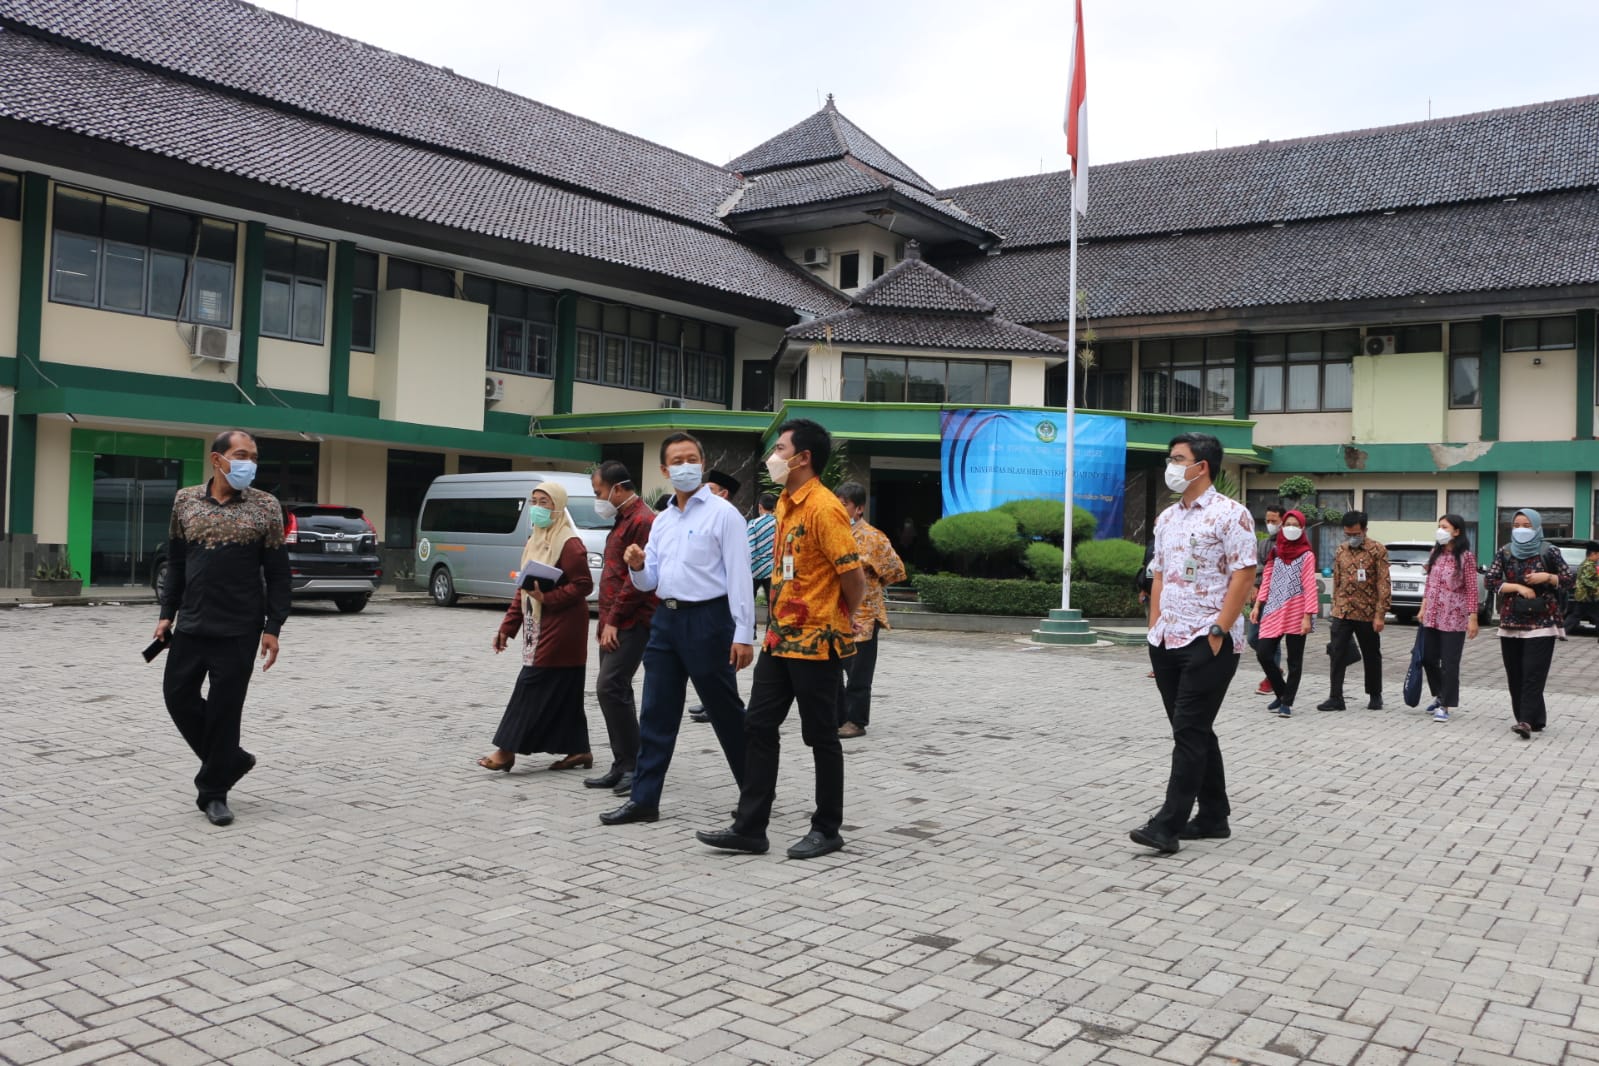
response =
{"points": [[723, 485]]}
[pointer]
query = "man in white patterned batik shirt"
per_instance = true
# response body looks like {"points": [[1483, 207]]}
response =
{"points": [[1204, 569]]}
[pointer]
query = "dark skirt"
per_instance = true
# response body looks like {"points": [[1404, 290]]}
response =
{"points": [[545, 713]]}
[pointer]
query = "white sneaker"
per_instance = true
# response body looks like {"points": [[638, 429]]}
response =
{"points": [[1441, 714]]}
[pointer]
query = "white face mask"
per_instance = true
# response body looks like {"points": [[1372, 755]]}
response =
{"points": [[1292, 532], [1522, 534], [1444, 536], [777, 468], [686, 477], [1176, 477], [604, 509], [1272, 528]]}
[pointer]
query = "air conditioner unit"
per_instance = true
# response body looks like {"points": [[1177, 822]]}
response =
{"points": [[1381, 344], [816, 257], [214, 345], [672, 402], [493, 389]]}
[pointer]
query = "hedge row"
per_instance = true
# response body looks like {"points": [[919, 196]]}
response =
{"points": [[953, 594]]}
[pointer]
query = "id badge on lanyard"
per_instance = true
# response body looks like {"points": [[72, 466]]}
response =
{"points": [[1191, 564]]}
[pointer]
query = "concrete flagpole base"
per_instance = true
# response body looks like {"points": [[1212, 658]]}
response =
{"points": [[1066, 628]]}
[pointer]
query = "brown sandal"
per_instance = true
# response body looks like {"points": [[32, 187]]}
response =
{"points": [[572, 762], [488, 763]]}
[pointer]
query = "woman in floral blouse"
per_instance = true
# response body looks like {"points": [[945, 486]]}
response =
{"points": [[1528, 577], [1449, 613]]}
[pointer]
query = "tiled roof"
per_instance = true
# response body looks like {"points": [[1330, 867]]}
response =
{"points": [[917, 306], [913, 285], [904, 329], [834, 179], [1533, 242], [52, 85], [825, 135], [286, 62], [1515, 152]]}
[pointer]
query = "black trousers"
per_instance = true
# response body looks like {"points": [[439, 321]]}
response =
{"points": [[1192, 684], [691, 643], [210, 723], [855, 698], [613, 688], [778, 684], [1343, 631], [1526, 669], [1440, 660], [1269, 651]]}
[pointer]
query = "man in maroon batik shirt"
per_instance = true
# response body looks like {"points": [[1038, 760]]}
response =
{"points": [[624, 623]]}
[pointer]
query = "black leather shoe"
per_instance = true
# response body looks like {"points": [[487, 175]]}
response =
{"points": [[1204, 831], [1375, 704], [1330, 705], [217, 813], [698, 715], [624, 785], [727, 840], [1151, 837], [630, 812], [1522, 730], [815, 844], [605, 780]]}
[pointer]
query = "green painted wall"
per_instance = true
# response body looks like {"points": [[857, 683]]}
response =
{"points": [[250, 315], [343, 326], [1242, 378], [86, 444], [1485, 457], [1582, 507], [1487, 515], [565, 350]]}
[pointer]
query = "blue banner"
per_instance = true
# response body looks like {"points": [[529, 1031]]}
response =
{"points": [[989, 457]]}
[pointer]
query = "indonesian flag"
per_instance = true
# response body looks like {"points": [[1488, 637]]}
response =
{"points": [[1077, 117]]}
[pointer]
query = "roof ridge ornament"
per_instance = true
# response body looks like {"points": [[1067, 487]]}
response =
{"points": [[913, 249]]}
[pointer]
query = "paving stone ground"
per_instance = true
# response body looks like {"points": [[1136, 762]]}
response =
{"points": [[1396, 891]]}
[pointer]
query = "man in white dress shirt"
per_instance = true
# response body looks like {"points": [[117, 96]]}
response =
{"points": [[698, 563]]}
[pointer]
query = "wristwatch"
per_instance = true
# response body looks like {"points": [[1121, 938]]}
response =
{"points": [[1217, 631]]}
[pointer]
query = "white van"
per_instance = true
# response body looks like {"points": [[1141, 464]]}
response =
{"points": [[473, 527]]}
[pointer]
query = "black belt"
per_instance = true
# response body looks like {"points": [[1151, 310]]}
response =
{"points": [[673, 604]]}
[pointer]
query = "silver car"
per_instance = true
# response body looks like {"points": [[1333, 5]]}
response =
{"points": [[1407, 576]]}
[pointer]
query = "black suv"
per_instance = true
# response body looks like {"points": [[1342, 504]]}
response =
{"points": [[333, 555]]}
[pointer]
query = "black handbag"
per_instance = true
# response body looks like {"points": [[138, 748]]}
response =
{"points": [[1524, 609]]}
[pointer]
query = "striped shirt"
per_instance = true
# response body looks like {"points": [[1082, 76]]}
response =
{"points": [[763, 537]]}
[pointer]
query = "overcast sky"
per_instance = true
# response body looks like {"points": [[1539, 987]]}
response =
{"points": [[969, 91]]}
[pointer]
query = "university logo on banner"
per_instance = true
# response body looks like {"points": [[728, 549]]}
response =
{"points": [[990, 457]]}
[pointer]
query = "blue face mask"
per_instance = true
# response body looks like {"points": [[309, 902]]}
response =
{"points": [[541, 516], [686, 477], [1522, 534], [240, 473]]}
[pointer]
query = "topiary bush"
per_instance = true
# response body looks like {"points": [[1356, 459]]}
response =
{"points": [[1108, 562], [978, 540], [1044, 561], [954, 594], [1105, 601], [1042, 519]]}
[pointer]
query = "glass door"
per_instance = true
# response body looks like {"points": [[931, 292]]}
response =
{"points": [[132, 509]]}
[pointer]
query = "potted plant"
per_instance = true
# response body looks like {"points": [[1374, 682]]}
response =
{"points": [[57, 579]]}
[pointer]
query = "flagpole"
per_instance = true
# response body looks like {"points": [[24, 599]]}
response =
{"points": [[1071, 399]]}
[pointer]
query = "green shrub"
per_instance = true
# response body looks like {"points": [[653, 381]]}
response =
{"points": [[1044, 561], [1041, 519], [977, 538], [1106, 601], [1108, 562], [953, 594]]}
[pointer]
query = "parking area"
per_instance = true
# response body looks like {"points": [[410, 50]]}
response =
{"points": [[1396, 891]]}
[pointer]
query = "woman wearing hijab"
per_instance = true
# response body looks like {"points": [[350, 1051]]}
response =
{"points": [[1285, 607], [546, 708], [1528, 577], [1448, 613]]}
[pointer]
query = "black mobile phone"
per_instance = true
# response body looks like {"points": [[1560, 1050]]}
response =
{"points": [[156, 648]]}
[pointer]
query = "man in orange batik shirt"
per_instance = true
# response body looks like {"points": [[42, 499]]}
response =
{"points": [[817, 586]]}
